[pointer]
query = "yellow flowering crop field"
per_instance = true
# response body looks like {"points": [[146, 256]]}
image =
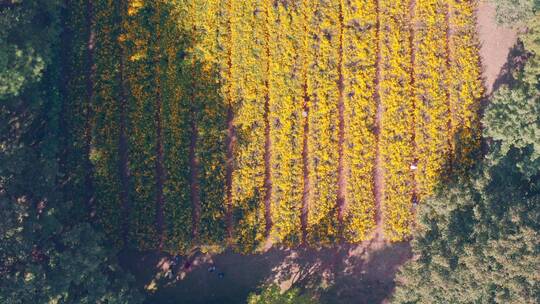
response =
{"points": [[247, 123]]}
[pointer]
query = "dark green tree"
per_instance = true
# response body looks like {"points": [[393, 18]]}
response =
{"points": [[515, 12], [531, 42], [272, 294], [26, 27], [513, 120]]}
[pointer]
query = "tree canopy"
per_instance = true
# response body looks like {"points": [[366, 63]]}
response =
{"points": [[272, 294], [515, 12], [26, 29]]}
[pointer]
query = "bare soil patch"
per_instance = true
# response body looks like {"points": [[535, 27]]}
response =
{"points": [[495, 43], [305, 168], [361, 273], [378, 175]]}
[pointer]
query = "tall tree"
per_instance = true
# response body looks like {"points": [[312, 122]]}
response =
{"points": [[24, 30], [515, 12]]}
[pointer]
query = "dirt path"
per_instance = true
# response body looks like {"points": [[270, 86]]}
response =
{"points": [[194, 178], [306, 193], [159, 169], [496, 42], [231, 135], [267, 168], [267, 137], [342, 164], [194, 185], [89, 111], [306, 197], [230, 143], [123, 151], [412, 24], [160, 172], [378, 175]]}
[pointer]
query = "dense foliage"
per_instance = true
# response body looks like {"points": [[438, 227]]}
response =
{"points": [[50, 251], [25, 28], [477, 240], [272, 295], [516, 12]]}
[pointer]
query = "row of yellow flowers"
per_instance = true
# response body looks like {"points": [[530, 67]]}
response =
{"points": [[465, 82], [431, 94], [323, 122], [286, 119], [359, 56], [244, 87], [396, 134]]}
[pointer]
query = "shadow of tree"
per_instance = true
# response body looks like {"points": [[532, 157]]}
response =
{"points": [[368, 278], [241, 274], [516, 59], [342, 274], [162, 62], [346, 273]]}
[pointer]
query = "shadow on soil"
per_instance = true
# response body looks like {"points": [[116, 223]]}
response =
{"points": [[516, 59], [344, 274]]}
